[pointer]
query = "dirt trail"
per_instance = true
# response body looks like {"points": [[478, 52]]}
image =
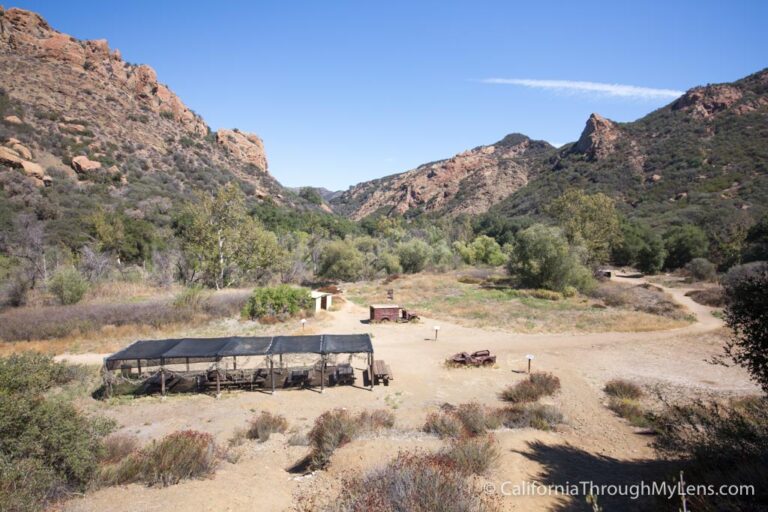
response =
{"points": [[593, 444]]}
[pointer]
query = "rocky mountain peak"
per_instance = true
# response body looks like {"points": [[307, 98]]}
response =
{"points": [[598, 139]]}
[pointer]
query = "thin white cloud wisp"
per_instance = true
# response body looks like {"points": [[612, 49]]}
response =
{"points": [[595, 88]]}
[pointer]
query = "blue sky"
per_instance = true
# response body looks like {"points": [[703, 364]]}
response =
{"points": [[343, 92]]}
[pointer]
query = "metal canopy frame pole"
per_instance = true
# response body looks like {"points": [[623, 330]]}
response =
{"points": [[162, 377], [370, 369], [218, 380], [272, 373], [322, 373]]}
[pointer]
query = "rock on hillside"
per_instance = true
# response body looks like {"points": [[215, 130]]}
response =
{"points": [[470, 182], [73, 101]]}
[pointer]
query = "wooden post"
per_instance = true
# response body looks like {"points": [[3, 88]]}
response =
{"points": [[234, 362], [370, 369], [138, 362], [187, 365], [272, 373], [322, 374], [218, 380], [162, 377]]}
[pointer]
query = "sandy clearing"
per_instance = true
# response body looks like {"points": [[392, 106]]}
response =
{"points": [[593, 443]]}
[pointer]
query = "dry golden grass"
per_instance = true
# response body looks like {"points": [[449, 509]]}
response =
{"points": [[443, 296], [110, 338]]}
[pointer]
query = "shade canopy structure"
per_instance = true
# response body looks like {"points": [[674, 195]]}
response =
{"points": [[173, 351]]}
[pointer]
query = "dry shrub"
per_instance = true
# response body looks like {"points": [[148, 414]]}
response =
{"points": [[538, 385], [630, 410], [712, 297], [643, 297], [59, 321], [416, 483], [472, 455], [178, 456], [377, 420], [298, 439], [332, 429], [538, 416], [266, 424], [621, 388], [443, 424], [337, 427], [466, 420], [117, 447]]}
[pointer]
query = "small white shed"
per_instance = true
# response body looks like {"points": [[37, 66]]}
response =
{"points": [[322, 300]]}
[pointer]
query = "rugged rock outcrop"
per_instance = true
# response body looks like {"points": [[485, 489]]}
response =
{"points": [[470, 182], [17, 156], [248, 147], [76, 105], [28, 33], [599, 138]]}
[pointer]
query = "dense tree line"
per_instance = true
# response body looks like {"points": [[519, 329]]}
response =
{"points": [[227, 239]]}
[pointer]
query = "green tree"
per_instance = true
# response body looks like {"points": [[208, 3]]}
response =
{"points": [[588, 220], [746, 313], [413, 255], [341, 260], [483, 250], [130, 240], [638, 246], [311, 195], [541, 257], [68, 285], [683, 243], [756, 242], [223, 242]]}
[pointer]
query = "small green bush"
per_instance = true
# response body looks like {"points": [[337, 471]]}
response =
{"points": [[539, 384], [279, 302], [68, 285], [266, 424], [191, 298]]}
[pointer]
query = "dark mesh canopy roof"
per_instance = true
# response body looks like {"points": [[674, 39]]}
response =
{"points": [[173, 351], [241, 346], [297, 345], [346, 343]]}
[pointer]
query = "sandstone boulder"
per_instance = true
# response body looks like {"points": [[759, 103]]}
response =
{"points": [[72, 127], [21, 150], [83, 165], [13, 120], [10, 158], [33, 169]]}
